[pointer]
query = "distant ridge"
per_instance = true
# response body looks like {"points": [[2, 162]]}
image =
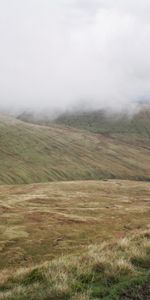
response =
{"points": [[101, 121], [126, 122]]}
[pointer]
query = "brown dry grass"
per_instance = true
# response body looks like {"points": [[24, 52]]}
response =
{"points": [[40, 222], [75, 277]]}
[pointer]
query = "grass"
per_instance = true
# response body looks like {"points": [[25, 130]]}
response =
{"points": [[41, 222], [80, 240], [103, 271], [101, 121], [32, 153]]}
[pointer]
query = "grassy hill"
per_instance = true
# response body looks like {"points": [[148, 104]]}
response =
{"points": [[102, 228], [100, 121], [32, 153]]}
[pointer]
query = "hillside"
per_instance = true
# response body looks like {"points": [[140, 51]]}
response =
{"points": [[32, 153], [126, 123], [100, 121], [102, 228]]}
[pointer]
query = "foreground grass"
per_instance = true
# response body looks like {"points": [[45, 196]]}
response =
{"points": [[41, 222], [112, 270]]}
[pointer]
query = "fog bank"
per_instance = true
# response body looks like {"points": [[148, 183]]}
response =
{"points": [[60, 54]]}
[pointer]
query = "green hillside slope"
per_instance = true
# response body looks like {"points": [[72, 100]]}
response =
{"points": [[112, 123], [31, 153]]}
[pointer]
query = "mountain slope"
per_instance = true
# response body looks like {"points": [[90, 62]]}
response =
{"points": [[108, 122], [31, 153]]}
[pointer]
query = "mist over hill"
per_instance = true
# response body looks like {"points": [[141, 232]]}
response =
{"points": [[103, 121], [57, 53], [134, 119]]}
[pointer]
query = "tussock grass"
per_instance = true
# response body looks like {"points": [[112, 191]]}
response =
{"points": [[92, 275], [40, 222]]}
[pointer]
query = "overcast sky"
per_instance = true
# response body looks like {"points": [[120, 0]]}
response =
{"points": [[57, 53]]}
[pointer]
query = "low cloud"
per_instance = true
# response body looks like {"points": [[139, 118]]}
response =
{"points": [[57, 54]]}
